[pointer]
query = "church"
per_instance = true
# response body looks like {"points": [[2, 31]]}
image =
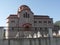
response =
{"points": [[27, 24]]}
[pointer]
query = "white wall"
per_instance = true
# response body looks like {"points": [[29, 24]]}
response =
{"points": [[1, 32]]}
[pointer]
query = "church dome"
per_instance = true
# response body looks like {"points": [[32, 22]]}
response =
{"points": [[24, 7]]}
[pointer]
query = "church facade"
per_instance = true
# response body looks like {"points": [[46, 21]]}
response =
{"points": [[26, 20]]}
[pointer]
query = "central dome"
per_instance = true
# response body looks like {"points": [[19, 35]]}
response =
{"points": [[24, 7]]}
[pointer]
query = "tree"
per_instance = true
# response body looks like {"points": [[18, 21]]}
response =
{"points": [[57, 23]]}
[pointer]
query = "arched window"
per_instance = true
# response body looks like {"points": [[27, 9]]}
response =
{"points": [[26, 15]]}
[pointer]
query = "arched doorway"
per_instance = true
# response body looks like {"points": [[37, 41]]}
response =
{"points": [[27, 26]]}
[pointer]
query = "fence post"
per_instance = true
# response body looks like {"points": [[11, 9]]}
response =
{"points": [[50, 36], [8, 41]]}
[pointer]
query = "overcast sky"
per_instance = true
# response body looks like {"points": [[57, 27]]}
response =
{"points": [[38, 7]]}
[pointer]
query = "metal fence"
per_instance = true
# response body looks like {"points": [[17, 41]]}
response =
{"points": [[31, 41], [29, 36]]}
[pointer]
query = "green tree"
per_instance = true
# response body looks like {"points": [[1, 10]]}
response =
{"points": [[57, 23]]}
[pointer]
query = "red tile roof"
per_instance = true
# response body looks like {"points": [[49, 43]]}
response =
{"points": [[12, 16]]}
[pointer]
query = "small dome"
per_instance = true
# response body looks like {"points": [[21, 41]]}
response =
{"points": [[23, 7]]}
